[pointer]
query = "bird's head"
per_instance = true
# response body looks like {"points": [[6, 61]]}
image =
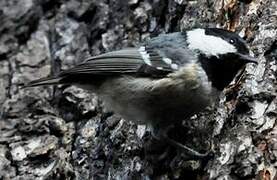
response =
{"points": [[221, 53]]}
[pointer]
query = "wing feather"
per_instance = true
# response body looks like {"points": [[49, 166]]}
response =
{"points": [[156, 58], [126, 61]]}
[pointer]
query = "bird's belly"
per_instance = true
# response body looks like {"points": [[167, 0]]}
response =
{"points": [[176, 107], [144, 104], [158, 108]]}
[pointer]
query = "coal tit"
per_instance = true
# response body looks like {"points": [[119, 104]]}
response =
{"points": [[167, 79]]}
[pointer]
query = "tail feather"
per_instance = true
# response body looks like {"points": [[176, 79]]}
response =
{"points": [[43, 81]]}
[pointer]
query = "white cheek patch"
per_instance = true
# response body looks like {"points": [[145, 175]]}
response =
{"points": [[208, 44]]}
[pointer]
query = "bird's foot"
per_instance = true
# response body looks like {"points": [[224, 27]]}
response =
{"points": [[192, 154]]}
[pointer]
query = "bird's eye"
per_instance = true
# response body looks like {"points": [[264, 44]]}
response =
{"points": [[232, 41]]}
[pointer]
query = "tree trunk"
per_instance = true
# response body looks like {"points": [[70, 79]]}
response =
{"points": [[66, 133]]}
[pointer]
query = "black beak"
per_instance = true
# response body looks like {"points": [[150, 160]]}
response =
{"points": [[247, 58]]}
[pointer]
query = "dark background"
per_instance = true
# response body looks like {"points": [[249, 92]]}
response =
{"points": [[65, 133]]}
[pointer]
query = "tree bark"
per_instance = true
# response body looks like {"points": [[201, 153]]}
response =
{"points": [[66, 133]]}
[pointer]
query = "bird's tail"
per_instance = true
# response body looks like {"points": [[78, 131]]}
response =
{"points": [[44, 81]]}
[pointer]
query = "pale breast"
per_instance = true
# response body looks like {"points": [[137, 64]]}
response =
{"points": [[162, 101]]}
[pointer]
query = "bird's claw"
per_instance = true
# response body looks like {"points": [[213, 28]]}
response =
{"points": [[163, 135], [191, 152]]}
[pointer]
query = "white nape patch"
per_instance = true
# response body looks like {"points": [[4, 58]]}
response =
{"points": [[208, 44], [145, 56], [167, 60], [160, 68], [174, 66]]}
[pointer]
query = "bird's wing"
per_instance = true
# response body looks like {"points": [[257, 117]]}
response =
{"points": [[143, 61], [152, 60]]}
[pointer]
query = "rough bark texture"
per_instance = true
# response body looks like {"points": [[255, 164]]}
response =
{"points": [[65, 133]]}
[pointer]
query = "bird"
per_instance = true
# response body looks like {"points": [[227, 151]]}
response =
{"points": [[163, 81]]}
